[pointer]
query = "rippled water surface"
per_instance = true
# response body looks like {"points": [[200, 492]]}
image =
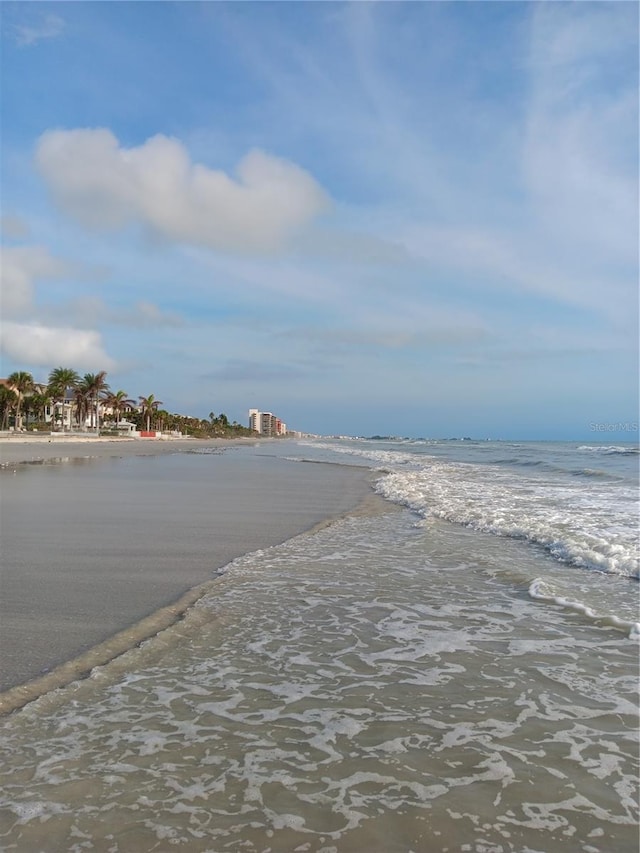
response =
{"points": [[362, 688]]}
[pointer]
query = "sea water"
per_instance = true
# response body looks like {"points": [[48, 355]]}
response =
{"points": [[457, 674]]}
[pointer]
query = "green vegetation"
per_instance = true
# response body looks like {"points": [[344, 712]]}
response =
{"points": [[118, 402], [149, 406], [21, 383], [69, 402], [61, 381]]}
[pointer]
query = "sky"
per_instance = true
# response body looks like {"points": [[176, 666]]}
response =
{"points": [[414, 219]]}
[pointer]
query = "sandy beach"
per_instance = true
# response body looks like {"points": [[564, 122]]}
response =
{"points": [[104, 545]]}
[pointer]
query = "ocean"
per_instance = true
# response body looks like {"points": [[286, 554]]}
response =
{"points": [[458, 673]]}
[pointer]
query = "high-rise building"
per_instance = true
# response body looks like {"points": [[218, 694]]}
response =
{"points": [[266, 423], [254, 420]]}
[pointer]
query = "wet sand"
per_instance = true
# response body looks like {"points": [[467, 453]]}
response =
{"points": [[111, 535], [26, 448]]}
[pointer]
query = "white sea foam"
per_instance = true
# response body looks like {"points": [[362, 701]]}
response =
{"points": [[382, 458], [587, 523], [542, 591], [360, 688], [608, 449], [589, 529]]}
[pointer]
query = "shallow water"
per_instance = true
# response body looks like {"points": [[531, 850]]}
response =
{"points": [[384, 684]]}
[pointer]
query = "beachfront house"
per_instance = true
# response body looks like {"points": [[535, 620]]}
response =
{"points": [[70, 413], [127, 428]]}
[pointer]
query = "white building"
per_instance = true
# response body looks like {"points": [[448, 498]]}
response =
{"points": [[266, 423], [254, 420]]}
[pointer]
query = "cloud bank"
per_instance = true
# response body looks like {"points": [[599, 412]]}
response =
{"points": [[106, 186], [20, 266], [42, 346]]}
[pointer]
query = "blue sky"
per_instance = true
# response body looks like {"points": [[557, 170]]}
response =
{"points": [[405, 218]]}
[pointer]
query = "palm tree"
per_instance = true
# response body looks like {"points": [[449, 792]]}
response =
{"points": [[39, 401], [20, 383], [162, 419], [27, 409], [8, 401], [81, 403], [118, 402], [93, 385], [60, 379], [149, 406]]}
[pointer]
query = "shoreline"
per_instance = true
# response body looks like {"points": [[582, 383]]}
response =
{"points": [[150, 627], [82, 617]]}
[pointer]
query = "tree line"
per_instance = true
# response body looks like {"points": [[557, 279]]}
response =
{"points": [[90, 403]]}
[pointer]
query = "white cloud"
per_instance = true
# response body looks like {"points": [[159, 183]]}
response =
{"points": [[94, 311], [351, 247], [245, 370], [14, 227], [145, 315], [48, 27], [22, 267], [580, 148], [524, 263], [104, 185], [19, 267], [40, 346]]}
